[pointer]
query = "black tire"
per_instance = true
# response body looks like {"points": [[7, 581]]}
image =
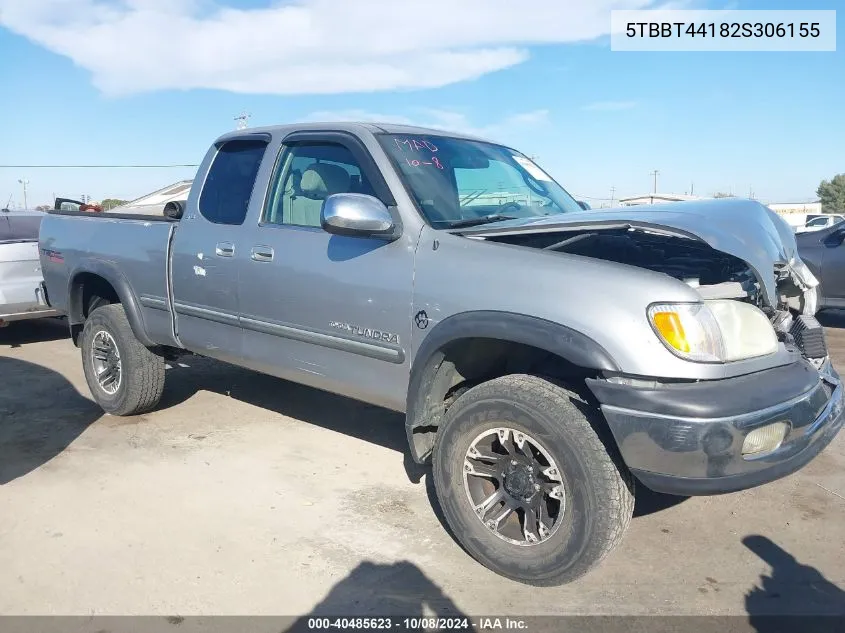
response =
{"points": [[141, 374], [599, 489]]}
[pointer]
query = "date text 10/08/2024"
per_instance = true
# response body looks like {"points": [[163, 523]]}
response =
{"points": [[419, 624]]}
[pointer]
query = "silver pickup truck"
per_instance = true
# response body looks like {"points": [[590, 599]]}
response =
{"points": [[546, 357]]}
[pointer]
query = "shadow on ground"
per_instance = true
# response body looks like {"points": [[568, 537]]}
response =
{"points": [[793, 597], [353, 418], [393, 589], [649, 502], [22, 333], [343, 415], [832, 318], [41, 413]]}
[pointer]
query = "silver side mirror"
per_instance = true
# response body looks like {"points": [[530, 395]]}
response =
{"points": [[356, 214]]}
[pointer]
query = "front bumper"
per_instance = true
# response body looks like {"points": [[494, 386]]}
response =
{"points": [[687, 438]]}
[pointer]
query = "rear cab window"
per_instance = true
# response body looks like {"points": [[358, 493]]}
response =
{"points": [[230, 181]]}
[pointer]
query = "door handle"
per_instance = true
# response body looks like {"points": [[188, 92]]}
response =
{"points": [[262, 253], [224, 249]]}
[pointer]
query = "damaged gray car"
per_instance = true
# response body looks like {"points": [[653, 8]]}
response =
{"points": [[546, 357]]}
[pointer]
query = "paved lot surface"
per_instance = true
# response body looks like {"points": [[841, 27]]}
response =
{"points": [[246, 494]]}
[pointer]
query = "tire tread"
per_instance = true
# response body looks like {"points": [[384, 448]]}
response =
{"points": [[143, 371], [601, 461]]}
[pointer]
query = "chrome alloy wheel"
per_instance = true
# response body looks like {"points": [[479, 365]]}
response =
{"points": [[514, 486], [105, 359]]}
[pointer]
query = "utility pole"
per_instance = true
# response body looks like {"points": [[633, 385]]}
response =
{"points": [[655, 173], [612, 196], [692, 189], [242, 121], [24, 182]]}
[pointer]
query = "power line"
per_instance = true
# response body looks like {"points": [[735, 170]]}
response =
{"points": [[96, 166], [589, 197]]}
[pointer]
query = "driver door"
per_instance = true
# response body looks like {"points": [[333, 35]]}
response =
{"points": [[330, 311]]}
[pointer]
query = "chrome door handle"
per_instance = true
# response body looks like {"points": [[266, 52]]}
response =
{"points": [[262, 253], [225, 249]]}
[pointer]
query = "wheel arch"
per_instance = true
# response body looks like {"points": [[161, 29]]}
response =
{"points": [[106, 280], [510, 341]]}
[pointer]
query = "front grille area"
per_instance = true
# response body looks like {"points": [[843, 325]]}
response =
{"points": [[809, 336]]}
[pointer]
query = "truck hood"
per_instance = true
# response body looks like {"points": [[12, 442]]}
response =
{"points": [[745, 229]]}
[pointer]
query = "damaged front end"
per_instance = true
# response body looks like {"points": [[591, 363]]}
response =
{"points": [[706, 434], [725, 250]]}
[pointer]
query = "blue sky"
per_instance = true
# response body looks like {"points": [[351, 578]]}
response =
{"points": [[76, 93]]}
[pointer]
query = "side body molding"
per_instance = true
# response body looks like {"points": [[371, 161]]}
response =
{"points": [[111, 274], [424, 390]]}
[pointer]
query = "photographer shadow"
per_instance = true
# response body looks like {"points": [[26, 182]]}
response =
{"points": [[793, 597], [376, 590]]}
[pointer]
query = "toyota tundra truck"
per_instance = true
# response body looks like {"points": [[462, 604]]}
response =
{"points": [[546, 358]]}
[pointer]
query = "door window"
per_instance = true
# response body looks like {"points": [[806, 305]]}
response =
{"points": [[230, 180], [307, 174]]}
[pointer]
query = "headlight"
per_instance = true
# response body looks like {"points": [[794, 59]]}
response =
{"points": [[713, 331]]}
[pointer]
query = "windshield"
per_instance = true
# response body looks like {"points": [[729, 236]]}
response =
{"points": [[458, 182]]}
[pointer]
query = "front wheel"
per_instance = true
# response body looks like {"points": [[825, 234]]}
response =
{"points": [[526, 483], [124, 377]]}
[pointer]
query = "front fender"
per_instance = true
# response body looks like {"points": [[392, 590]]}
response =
{"points": [[424, 388]]}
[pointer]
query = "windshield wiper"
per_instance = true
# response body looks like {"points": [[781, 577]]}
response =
{"points": [[484, 219]]}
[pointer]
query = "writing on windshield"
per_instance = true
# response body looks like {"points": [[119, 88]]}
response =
{"points": [[456, 181], [425, 150]]}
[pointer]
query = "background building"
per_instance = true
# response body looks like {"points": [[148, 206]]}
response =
{"points": [[153, 203], [784, 208]]}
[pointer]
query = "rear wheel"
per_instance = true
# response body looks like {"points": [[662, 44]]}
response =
{"points": [[124, 377], [526, 483]]}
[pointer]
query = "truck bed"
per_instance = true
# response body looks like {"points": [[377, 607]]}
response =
{"points": [[130, 248]]}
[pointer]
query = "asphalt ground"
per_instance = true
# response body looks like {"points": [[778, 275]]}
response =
{"points": [[245, 494]]}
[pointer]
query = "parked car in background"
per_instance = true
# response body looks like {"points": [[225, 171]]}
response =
{"points": [[22, 293], [819, 222], [824, 253]]}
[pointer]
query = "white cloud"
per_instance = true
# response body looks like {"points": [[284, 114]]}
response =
{"points": [[610, 106], [307, 46], [503, 129]]}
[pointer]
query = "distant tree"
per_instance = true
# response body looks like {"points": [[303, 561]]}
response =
{"points": [[832, 194], [111, 203], [722, 194], [43, 207]]}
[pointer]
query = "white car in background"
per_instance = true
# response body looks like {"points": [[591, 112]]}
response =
{"points": [[820, 222], [22, 292]]}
